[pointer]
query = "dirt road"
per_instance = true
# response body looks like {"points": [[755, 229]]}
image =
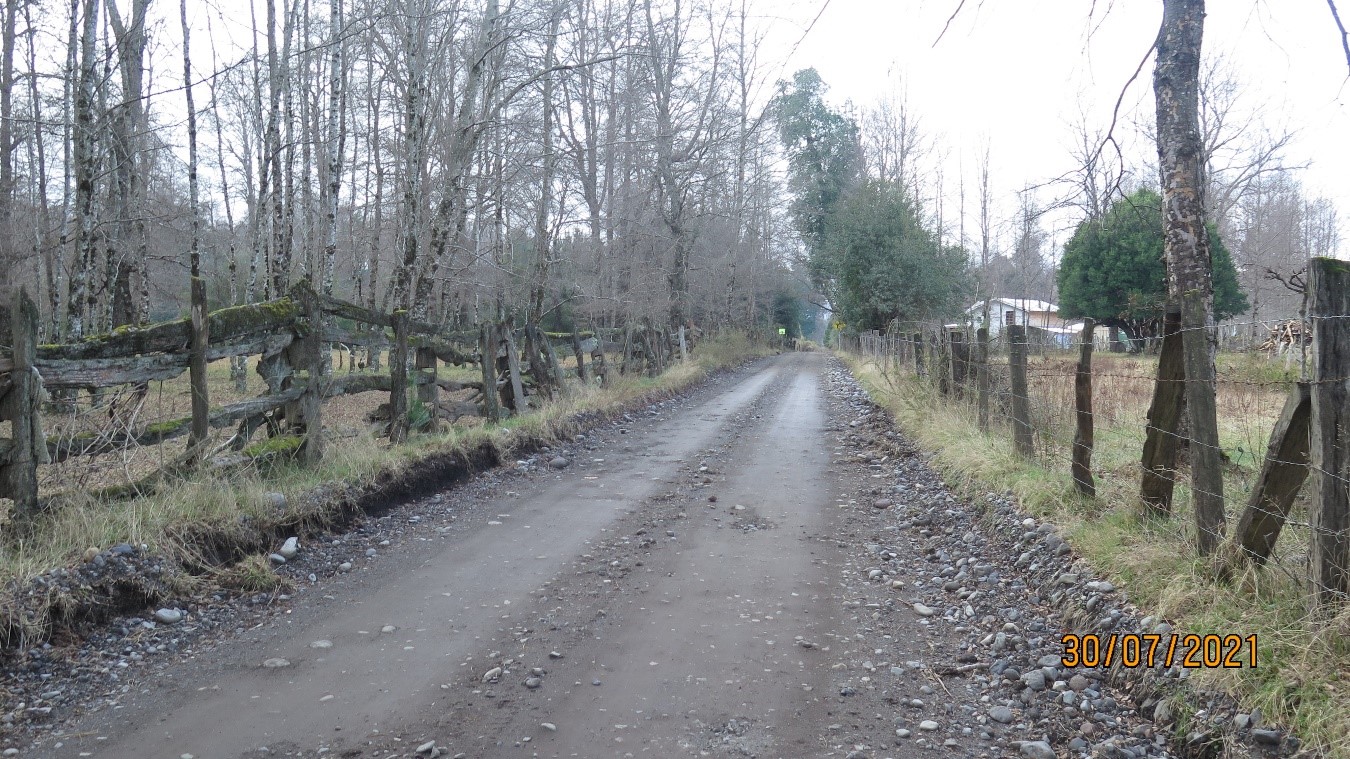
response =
{"points": [[734, 573]]}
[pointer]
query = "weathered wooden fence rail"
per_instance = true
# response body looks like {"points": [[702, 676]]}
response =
{"points": [[293, 338]]}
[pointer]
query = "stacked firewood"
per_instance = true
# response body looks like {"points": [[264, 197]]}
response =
{"points": [[1284, 336]]}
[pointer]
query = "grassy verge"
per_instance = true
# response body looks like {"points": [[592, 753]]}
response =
{"points": [[1303, 671], [238, 502]]}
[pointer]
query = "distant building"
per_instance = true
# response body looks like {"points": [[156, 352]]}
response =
{"points": [[1039, 317]]}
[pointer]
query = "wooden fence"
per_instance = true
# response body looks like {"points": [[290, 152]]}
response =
{"points": [[293, 338], [1309, 442]]}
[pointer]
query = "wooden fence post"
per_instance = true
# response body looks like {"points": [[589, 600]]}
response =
{"points": [[1329, 512], [398, 380], [1161, 441], [982, 377], [1023, 442], [487, 351], [652, 344], [598, 361], [684, 346], [317, 362], [551, 354], [960, 362], [624, 367], [649, 358], [919, 369], [201, 406], [944, 367], [428, 392], [1283, 472], [583, 372], [519, 404], [21, 408], [1082, 399], [543, 375]]}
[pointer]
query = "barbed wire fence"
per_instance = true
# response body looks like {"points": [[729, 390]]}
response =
{"points": [[1068, 401]]}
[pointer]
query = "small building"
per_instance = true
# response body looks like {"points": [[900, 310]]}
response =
{"points": [[1026, 312], [1044, 325]]}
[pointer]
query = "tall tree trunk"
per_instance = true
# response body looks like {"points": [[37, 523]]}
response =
{"points": [[336, 134], [43, 246], [284, 232], [543, 234], [127, 245], [238, 364], [68, 179], [377, 228], [279, 258], [9, 239], [1186, 248], [200, 337], [412, 200], [84, 157], [474, 113], [259, 279]]}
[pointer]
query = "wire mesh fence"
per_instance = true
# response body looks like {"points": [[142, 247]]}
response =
{"points": [[1285, 482]]}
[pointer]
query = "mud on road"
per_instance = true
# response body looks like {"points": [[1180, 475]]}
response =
{"points": [[763, 568]]}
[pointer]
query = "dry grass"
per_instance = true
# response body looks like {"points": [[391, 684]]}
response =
{"points": [[121, 409], [1304, 664], [236, 501]]}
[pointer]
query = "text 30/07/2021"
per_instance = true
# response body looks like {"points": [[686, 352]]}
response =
{"points": [[1190, 651]]}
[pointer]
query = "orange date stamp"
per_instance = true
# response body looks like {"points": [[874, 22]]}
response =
{"points": [[1188, 651]]}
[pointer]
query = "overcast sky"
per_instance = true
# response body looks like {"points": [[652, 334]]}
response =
{"points": [[1016, 74]]}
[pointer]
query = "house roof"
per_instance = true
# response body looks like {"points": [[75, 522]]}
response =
{"points": [[1023, 304]]}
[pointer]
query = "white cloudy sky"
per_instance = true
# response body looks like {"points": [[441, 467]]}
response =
{"points": [[1015, 73]]}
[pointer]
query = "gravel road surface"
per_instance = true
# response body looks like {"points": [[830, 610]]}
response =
{"points": [[761, 568]]}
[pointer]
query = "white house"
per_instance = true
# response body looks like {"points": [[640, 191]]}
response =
{"points": [[1024, 311]]}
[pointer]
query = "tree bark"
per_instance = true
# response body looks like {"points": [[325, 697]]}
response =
{"points": [[543, 232], [336, 139], [21, 406], [9, 239], [85, 158], [1161, 439], [1329, 514], [128, 246], [201, 407], [1186, 249]]}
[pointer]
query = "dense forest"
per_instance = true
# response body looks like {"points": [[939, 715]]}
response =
{"points": [[560, 160]]}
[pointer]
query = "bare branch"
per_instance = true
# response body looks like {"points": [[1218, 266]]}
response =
{"points": [[952, 18], [1293, 282], [1345, 38], [1115, 112]]}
